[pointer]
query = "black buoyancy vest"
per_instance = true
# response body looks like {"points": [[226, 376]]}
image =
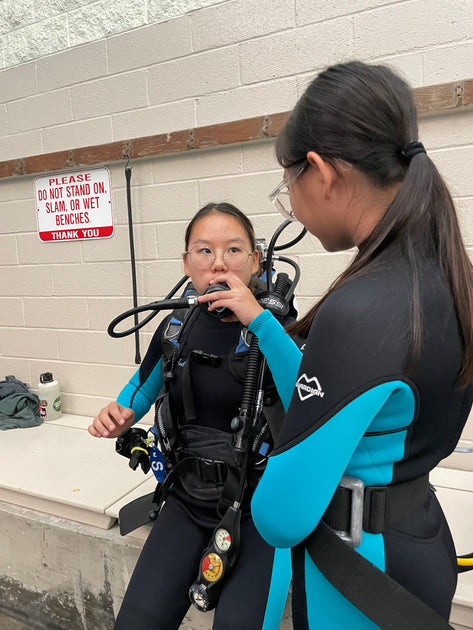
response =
{"points": [[203, 457]]}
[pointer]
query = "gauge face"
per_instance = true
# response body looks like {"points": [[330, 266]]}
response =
{"points": [[212, 567], [223, 540], [198, 599], [199, 596]]}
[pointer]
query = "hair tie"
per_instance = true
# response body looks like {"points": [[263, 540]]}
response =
{"points": [[411, 149]]}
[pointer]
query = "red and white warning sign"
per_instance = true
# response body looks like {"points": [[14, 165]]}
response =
{"points": [[74, 205]]}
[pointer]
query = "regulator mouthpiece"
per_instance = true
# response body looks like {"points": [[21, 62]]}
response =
{"points": [[221, 311]]}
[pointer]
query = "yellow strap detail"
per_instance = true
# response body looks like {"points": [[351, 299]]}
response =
{"points": [[138, 448], [465, 562]]}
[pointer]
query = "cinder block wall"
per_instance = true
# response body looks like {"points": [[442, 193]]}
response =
{"points": [[89, 85]]}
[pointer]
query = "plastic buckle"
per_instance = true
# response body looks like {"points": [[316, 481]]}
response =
{"points": [[353, 536]]}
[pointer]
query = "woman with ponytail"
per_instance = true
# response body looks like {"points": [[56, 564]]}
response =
{"points": [[384, 386]]}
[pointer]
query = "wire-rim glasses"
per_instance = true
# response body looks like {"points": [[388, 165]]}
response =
{"points": [[283, 205], [234, 257]]}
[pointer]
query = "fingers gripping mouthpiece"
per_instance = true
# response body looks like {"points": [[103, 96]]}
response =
{"points": [[221, 311]]}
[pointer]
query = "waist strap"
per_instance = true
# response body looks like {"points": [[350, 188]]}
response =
{"points": [[207, 470], [374, 508]]}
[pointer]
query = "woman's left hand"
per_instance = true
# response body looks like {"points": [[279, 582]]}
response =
{"points": [[240, 300]]}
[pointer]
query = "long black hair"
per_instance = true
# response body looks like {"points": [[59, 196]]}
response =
{"points": [[365, 115]]}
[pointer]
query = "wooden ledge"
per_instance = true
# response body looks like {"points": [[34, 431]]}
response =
{"points": [[430, 100]]}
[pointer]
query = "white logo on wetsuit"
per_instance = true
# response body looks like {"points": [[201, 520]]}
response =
{"points": [[305, 390]]}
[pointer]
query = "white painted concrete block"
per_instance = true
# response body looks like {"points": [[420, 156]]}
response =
{"points": [[8, 250], [170, 237], [109, 380], [311, 47], [408, 26], [26, 280], [247, 101], [259, 156], [308, 12], [25, 342], [107, 96], [75, 135], [76, 65], [166, 202], [191, 165], [3, 118], [455, 167], [43, 110], [12, 314], [91, 347], [149, 121], [17, 366], [196, 75], [232, 22], [56, 312], [31, 250], [149, 45], [20, 145], [449, 63], [157, 278], [101, 312], [21, 82], [101, 279], [438, 132], [249, 192]]}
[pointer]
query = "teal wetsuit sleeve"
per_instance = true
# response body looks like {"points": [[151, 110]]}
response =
{"points": [[351, 377], [138, 395], [282, 354], [307, 474]]}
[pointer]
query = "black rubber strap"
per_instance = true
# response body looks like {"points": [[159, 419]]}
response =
{"points": [[375, 594]]}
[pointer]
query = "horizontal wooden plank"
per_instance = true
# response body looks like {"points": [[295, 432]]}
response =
{"points": [[433, 99]]}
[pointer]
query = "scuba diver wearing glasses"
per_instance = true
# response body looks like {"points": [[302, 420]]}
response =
{"points": [[194, 369]]}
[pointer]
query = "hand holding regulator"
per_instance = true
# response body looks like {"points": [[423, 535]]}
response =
{"points": [[141, 447]]}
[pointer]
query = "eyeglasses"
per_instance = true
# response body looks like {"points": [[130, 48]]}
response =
{"points": [[203, 257], [283, 205]]}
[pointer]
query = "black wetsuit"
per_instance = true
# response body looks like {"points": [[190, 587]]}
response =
{"points": [[357, 409], [157, 595]]}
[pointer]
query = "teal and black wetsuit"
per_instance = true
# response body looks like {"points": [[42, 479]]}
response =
{"points": [[356, 409], [157, 595]]}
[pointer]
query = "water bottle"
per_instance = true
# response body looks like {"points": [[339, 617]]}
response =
{"points": [[49, 397]]}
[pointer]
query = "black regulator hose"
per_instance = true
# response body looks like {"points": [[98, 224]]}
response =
{"points": [[155, 307], [272, 248], [168, 303]]}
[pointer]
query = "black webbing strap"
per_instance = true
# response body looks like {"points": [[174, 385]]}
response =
{"points": [[209, 471], [375, 594], [383, 505], [204, 358]]}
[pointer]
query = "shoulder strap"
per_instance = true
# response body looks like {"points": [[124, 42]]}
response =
{"points": [[388, 604]]}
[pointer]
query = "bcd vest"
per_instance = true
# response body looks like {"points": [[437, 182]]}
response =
{"points": [[204, 458]]}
